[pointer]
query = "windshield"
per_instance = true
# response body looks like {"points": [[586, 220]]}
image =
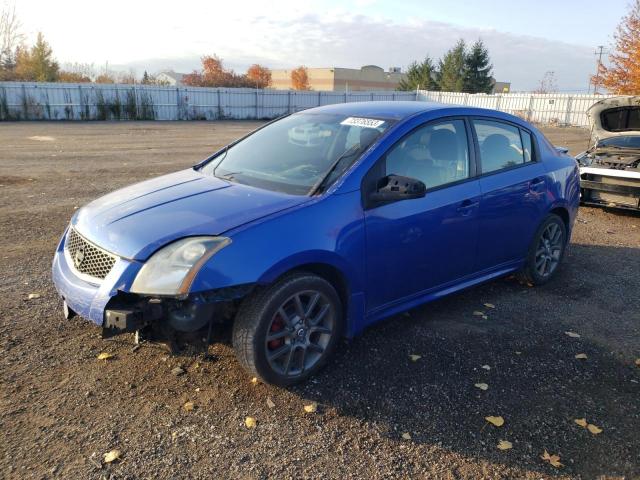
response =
{"points": [[626, 141], [299, 154]]}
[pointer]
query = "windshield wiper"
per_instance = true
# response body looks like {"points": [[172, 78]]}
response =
{"points": [[352, 150]]}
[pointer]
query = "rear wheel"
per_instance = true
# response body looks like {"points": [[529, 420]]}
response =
{"points": [[546, 251], [287, 332]]}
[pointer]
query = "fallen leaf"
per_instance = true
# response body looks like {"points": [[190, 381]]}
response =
{"points": [[581, 356], [504, 445], [478, 313], [415, 358], [481, 386], [497, 421], [573, 334], [637, 362], [581, 421], [105, 356], [518, 353], [593, 429], [484, 317], [188, 406], [177, 371], [111, 456], [552, 459], [489, 305], [270, 403], [254, 380], [33, 296], [250, 422], [486, 367], [311, 408], [406, 436]]}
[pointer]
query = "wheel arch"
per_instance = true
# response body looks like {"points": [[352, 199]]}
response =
{"points": [[335, 271]]}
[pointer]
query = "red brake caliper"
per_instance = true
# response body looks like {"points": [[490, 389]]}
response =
{"points": [[276, 326]]}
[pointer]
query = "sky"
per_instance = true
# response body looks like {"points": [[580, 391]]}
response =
{"points": [[525, 38]]}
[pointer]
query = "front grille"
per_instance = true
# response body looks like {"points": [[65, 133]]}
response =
{"points": [[86, 258]]}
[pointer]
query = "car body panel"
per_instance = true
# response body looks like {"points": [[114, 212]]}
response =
{"points": [[388, 258], [135, 221], [609, 177]]}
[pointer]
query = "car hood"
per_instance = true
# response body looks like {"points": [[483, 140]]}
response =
{"points": [[595, 113], [137, 220]]}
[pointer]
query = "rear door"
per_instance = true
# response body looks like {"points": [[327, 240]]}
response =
{"points": [[513, 183]]}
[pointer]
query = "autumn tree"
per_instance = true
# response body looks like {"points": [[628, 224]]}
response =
{"points": [[420, 75], [300, 78], [76, 73], [214, 74], [623, 76], [37, 63], [105, 77], [259, 76]]}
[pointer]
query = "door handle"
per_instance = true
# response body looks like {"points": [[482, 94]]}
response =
{"points": [[466, 206], [537, 184]]}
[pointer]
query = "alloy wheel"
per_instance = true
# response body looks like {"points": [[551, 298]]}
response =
{"points": [[549, 250], [299, 333]]}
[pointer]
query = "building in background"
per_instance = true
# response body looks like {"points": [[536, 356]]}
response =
{"points": [[171, 78], [369, 77], [500, 87]]}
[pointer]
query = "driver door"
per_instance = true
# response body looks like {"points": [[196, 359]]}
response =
{"points": [[423, 244]]}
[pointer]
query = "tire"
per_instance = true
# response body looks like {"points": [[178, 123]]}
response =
{"points": [[554, 231], [303, 333]]}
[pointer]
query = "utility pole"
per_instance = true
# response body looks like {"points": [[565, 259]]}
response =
{"points": [[596, 80]]}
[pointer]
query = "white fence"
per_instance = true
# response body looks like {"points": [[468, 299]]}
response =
{"points": [[552, 109], [85, 101]]}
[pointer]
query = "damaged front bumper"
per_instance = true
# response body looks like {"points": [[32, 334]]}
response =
{"points": [[610, 187], [109, 304]]}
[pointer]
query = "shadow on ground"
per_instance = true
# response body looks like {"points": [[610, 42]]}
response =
{"points": [[535, 382]]}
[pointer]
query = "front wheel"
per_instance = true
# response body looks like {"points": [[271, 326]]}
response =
{"points": [[546, 251], [285, 333]]}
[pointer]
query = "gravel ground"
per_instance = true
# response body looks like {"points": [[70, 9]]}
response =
{"points": [[380, 415]]}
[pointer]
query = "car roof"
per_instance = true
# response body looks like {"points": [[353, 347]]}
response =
{"points": [[396, 110]]}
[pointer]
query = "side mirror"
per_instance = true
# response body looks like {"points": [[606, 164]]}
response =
{"points": [[395, 187]]}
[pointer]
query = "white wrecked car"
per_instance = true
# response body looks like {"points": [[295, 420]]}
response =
{"points": [[610, 168]]}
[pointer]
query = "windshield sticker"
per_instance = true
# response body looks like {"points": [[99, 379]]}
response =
{"points": [[362, 122]]}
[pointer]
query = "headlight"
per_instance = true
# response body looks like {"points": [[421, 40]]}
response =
{"points": [[171, 270]]}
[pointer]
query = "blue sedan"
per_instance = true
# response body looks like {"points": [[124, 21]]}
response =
{"points": [[319, 224]]}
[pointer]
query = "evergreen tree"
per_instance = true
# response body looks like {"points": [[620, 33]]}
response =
{"points": [[145, 79], [477, 70], [451, 69], [37, 64], [420, 75]]}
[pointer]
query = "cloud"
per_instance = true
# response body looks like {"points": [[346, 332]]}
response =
{"points": [[336, 38]]}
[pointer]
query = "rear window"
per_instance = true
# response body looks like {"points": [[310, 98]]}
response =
{"points": [[501, 145], [621, 119]]}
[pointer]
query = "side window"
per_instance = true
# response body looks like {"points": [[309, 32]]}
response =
{"points": [[501, 145], [436, 154], [527, 145]]}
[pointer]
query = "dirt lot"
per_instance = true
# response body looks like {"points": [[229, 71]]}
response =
{"points": [[61, 409]]}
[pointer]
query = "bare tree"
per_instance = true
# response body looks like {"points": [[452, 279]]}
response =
{"points": [[547, 84], [11, 35]]}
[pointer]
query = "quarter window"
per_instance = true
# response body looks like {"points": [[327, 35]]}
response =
{"points": [[436, 154], [501, 145]]}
